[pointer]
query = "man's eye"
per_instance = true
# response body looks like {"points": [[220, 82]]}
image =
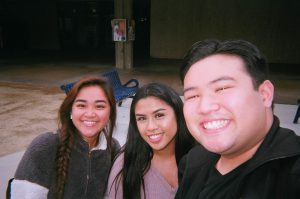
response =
{"points": [[222, 88], [192, 97]]}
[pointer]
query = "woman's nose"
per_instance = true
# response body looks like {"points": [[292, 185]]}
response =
{"points": [[90, 112], [151, 125]]}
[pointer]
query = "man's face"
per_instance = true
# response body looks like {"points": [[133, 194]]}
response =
{"points": [[222, 109]]}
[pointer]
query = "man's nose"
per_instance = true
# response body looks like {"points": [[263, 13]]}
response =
{"points": [[207, 104]]}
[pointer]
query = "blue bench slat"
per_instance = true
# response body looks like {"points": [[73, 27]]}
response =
{"points": [[120, 91]]}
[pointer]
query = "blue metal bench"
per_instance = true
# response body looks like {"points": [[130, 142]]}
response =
{"points": [[121, 91]]}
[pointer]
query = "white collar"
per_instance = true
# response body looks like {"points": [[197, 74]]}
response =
{"points": [[102, 143]]}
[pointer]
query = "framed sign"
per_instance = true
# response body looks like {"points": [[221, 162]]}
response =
{"points": [[119, 32]]}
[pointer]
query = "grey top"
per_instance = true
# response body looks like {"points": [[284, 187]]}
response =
{"points": [[156, 187], [87, 174]]}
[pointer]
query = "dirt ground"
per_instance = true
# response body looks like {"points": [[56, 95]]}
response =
{"points": [[28, 110], [25, 113]]}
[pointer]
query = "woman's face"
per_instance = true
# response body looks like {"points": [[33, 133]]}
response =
{"points": [[90, 112], [156, 122]]}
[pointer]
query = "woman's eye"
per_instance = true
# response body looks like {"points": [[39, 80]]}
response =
{"points": [[159, 115], [100, 106], [140, 118], [80, 105]]}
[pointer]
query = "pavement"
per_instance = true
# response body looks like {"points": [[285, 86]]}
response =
{"points": [[29, 89]]}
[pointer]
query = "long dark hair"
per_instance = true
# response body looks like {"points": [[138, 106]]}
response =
{"points": [[137, 152], [67, 130]]}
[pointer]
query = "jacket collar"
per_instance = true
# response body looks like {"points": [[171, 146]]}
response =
{"points": [[278, 143], [84, 146]]}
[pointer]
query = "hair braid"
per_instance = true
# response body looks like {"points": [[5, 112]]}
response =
{"points": [[63, 157]]}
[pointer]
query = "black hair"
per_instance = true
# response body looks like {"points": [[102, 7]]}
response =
{"points": [[255, 62], [137, 152]]}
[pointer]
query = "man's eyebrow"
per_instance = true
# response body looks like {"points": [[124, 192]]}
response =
{"points": [[189, 89], [223, 78]]}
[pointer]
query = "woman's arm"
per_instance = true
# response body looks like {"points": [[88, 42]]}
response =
{"points": [[34, 174]]}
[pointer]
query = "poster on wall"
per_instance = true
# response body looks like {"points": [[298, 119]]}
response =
{"points": [[119, 29], [131, 30]]}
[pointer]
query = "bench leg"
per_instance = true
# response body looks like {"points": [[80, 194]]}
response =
{"points": [[297, 113]]}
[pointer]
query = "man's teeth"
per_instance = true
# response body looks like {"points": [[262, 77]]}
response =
{"points": [[215, 124]]}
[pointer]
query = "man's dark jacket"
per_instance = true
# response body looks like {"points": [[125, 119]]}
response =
{"points": [[273, 172]]}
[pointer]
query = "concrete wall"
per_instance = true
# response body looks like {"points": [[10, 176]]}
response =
{"points": [[272, 25]]}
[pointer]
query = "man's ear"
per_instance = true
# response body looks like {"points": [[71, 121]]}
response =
{"points": [[266, 90]]}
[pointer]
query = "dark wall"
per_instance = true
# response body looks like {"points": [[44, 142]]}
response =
{"points": [[29, 24], [43, 24], [272, 25]]}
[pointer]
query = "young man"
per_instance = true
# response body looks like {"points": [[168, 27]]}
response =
{"points": [[228, 107]]}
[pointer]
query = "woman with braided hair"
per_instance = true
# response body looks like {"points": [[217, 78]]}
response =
{"points": [[75, 161]]}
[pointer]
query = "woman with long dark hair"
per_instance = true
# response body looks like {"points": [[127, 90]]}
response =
{"points": [[75, 161], [146, 166]]}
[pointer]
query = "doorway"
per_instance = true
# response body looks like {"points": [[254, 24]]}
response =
{"points": [[85, 26], [141, 14]]}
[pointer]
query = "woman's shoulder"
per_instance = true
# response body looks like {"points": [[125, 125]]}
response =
{"points": [[44, 141], [119, 159], [113, 187], [48, 137], [43, 145], [115, 144], [38, 160]]}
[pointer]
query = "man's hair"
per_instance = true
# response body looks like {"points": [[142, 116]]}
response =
{"points": [[254, 61]]}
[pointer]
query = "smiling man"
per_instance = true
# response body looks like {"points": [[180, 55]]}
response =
{"points": [[228, 107]]}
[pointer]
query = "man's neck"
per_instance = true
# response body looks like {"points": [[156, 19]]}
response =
{"points": [[228, 163]]}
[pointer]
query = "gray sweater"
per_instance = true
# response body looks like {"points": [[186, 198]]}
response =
{"points": [[87, 174]]}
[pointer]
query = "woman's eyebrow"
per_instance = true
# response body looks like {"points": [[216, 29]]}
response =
{"points": [[80, 100], [101, 101], [97, 101]]}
